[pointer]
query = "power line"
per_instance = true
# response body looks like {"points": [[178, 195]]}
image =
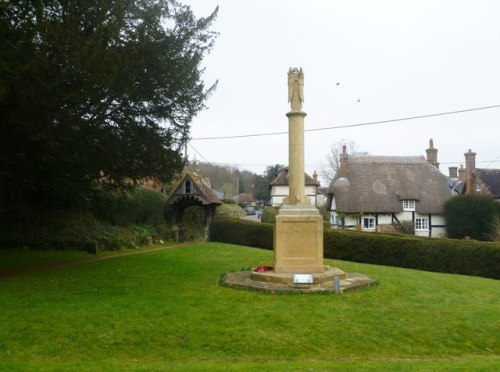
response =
{"points": [[318, 164], [199, 153], [493, 161], [353, 125]]}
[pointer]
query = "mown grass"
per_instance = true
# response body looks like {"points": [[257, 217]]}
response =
{"points": [[166, 311], [12, 259]]}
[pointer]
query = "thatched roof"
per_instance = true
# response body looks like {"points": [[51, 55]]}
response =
{"points": [[378, 184]]}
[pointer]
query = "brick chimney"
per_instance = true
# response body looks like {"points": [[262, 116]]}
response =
{"points": [[470, 166], [315, 177], [432, 154], [344, 167], [461, 173], [453, 171]]}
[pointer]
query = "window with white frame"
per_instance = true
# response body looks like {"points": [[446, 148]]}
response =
{"points": [[422, 223], [408, 205], [368, 222]]}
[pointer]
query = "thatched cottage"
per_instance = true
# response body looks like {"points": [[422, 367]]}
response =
{"points": [[379, 193]]}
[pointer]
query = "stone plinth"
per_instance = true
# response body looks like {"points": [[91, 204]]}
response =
{"points": [[244, 280], [328, 274], [298, 240]]}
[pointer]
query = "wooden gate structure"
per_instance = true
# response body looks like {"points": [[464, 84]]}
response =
{"points": [[193, 189]]}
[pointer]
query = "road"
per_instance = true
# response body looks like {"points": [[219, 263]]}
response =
{"points": [[251, 218]]}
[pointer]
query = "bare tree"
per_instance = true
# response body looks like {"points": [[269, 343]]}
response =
{"points": [[332, 164]]}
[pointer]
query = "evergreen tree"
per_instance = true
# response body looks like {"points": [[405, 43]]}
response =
{"points": [[95, 90]]}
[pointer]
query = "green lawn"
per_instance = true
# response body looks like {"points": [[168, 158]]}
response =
{"points": [[166, 311], [14, 259]]}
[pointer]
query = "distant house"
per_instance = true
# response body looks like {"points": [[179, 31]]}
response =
{"points": [[487, 181], [469, 179], [377, 193], [280, 187], [246, 199]]}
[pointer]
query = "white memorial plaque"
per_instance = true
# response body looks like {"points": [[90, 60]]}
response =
{"points": [[303, 279]]}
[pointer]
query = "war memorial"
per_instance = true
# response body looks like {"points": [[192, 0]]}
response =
{"points": [[298, 230]]}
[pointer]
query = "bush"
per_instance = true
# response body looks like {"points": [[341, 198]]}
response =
{"points": [[432, 254], [109, 221], [193, 223], [495, 228], [405, 227], [269, 214], [230, 210], [471, 215], [138, 206], [60, 230], [242, 232]]}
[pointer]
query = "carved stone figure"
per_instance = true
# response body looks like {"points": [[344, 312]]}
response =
{"points": [[296, 88]]}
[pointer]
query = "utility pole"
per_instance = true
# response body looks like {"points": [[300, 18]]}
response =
{"points": [[237, 188]]}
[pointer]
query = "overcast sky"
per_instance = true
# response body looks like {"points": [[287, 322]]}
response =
{"points": [[397, 58]]}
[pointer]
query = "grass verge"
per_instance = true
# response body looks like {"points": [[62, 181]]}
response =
{"points": [[166, 311]]}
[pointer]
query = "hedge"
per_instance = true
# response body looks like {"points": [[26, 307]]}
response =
{"points": [[466, 257], [110, 221], [242, 232]]}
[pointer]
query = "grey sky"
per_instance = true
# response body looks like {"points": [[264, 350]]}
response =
{"points": [[399, 58]]}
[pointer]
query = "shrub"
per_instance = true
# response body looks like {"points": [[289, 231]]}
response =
{"points": [[269, 214], [138, 206], [110, 221], [432, 254], [193, 223], [242, 232], [230, 210], [495, 230], [471, 216], [405, 227]]}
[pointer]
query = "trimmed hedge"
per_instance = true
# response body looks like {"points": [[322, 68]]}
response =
{"points": [[431, 254], [242, 232]]}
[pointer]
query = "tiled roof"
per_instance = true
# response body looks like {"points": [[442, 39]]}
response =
{"points": [[282, 179], [201, 190], [489, 178], [245, 198]]}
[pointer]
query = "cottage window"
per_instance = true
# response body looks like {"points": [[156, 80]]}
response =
{"points": [[368, 222], [408, 205], [421, 224], [188, 187]]}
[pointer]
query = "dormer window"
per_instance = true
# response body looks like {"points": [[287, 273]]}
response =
{"points": [[409, 205], [187, 186]]}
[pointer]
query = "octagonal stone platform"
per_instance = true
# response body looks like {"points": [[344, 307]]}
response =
{"points": [[284, 282], [328, 274]]}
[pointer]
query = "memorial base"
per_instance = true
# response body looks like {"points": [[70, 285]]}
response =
{"points": [[328, 274], [298, 240]]}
